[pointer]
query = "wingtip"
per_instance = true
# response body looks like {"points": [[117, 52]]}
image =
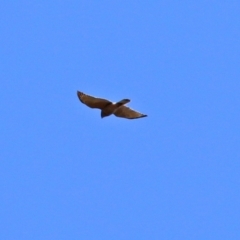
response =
{"points": [[79, 94], [142, 116]]}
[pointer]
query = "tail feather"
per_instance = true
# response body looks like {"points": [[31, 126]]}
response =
{"points": [[122, 102]]}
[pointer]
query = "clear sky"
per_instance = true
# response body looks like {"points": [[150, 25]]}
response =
{"points": [[67, 174]]}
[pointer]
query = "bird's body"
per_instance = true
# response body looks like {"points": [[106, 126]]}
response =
{"points": [[108, 110], [107, 107]]}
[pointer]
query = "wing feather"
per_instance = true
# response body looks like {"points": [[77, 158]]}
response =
{"points": [[92, 102], [126, 112]]}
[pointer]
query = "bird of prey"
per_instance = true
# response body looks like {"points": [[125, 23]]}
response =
{"points": [[107, 107]]}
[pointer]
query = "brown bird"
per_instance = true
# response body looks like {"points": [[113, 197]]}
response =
{"points": [[107, 107]]}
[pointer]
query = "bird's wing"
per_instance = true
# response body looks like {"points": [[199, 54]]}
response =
{"points": [[93, 102], [126, 112]]}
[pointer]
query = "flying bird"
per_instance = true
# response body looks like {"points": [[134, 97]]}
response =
{"points": [[107, 107]]}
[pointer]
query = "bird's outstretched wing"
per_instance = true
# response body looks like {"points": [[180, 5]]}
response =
{"points": [[93, 102], [126, 112]]}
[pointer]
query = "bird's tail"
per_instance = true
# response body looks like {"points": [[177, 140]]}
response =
{"points": [[122, 102]]}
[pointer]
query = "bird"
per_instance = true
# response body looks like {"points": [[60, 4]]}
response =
{"points": [[108, 108]]}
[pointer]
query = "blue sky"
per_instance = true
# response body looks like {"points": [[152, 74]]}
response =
{"points": [[68, 174]]}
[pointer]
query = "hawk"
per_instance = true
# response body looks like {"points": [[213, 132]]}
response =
{"points": [[107, 107]]}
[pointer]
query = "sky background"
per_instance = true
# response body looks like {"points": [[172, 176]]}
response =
{"points": [[65, 173]]}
